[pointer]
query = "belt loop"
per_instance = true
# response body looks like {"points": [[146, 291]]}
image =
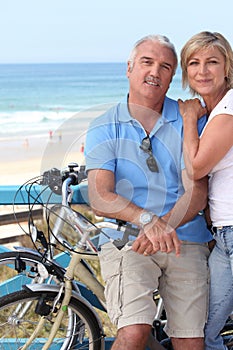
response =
{"points": [[214, 229]]}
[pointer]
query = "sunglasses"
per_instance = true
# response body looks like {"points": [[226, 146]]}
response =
{"points": [[151, 161]]}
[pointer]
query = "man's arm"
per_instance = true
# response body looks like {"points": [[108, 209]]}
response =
{"points": [[105, 202], [186, 208]]}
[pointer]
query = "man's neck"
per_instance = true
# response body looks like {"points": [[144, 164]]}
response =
{"points": [[146, 115]]}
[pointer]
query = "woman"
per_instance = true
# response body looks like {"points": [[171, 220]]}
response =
{"points": [[207, 67]]}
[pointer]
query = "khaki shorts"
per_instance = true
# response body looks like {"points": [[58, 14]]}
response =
{"points": [[182, 281]]}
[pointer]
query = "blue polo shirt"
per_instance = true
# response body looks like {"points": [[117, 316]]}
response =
{"points": [[113, 143]]}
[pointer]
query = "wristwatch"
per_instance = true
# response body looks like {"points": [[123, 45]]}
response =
{"points": [[145, 218]]}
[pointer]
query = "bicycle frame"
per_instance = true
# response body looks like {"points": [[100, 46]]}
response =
{"points": [[76, 269], [85, 250]]}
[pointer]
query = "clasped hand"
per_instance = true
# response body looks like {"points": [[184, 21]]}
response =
{"points": [[157, 236]]}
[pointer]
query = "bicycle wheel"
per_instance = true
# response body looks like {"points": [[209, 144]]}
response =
{"points": [[79, 328], [18, 268]]}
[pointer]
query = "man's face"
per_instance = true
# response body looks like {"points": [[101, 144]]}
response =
{"points": [[151, 74]]}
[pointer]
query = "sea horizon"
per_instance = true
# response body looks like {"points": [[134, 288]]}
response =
{"points": [[45, 110], [38, 97]]}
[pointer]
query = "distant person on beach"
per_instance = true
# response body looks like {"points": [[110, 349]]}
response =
{"points": [[136, 174], [60, 136], [207, 67], [82, 147], [26, 143]]}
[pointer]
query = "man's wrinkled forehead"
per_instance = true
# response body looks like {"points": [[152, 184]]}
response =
{"points": [[155, 50]]}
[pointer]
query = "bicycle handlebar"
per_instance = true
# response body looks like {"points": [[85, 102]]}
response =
{"points": [[60, 183], [54, 178]]}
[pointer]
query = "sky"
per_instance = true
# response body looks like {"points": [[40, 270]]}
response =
{"points": [[41, 31]]}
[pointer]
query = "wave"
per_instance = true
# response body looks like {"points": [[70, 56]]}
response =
{"points": [[30, 121], [32, 116], [33, 122]]}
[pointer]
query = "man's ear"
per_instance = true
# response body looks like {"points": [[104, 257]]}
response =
{"points": [[129, 69]]}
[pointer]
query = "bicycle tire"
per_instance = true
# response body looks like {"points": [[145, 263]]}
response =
{"points": [[79, 332], [18, 268]]}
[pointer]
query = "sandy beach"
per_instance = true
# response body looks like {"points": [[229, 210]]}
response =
{"points": [[20, 163], [22, 159], [25, 156]]}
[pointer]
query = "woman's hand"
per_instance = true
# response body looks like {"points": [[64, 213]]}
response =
{"points": [[191, 108]]}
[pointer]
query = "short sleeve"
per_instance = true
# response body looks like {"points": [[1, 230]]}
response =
{"points": [[100, 146]]}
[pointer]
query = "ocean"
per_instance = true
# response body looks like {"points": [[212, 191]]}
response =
{"points": [[38, 98]]}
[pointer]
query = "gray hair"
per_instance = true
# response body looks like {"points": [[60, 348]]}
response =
{"points": [[162, 39]]}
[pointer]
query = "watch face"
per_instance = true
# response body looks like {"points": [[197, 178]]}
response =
{"points": [[145, 218]]}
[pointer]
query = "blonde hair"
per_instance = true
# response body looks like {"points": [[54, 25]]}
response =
{"points": [[162, 39], [204, 40]]}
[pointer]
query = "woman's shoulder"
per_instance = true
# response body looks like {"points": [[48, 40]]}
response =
{"points": [[227, 101], [225, 106]]}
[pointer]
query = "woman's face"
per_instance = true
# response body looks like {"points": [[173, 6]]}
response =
{"points": [[206, 71]]}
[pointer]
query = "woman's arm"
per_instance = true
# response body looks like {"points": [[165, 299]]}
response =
{"points": [[190, 203], [202, 154]]}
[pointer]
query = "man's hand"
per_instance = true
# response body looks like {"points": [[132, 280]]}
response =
{"points": [[157, 235], [143, 245]]}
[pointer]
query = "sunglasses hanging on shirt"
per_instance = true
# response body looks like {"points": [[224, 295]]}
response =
{"points": [[150, 161]]}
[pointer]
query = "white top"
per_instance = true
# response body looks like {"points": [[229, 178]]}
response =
{"points": [[221, 176]]}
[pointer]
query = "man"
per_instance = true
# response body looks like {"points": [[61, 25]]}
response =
{"points": [[136, 174]]}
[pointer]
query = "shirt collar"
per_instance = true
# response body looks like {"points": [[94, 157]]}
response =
{"points": [[169, 112]]}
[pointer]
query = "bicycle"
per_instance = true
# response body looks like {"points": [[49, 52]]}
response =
{"points": [[27, 265], [63, 315], [58, 272]]}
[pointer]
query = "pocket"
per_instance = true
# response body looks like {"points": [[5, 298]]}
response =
{"points": [[111, 263], [110, 260]]}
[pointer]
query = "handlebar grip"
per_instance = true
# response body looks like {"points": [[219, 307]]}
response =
{"points": [[74, 178]]}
